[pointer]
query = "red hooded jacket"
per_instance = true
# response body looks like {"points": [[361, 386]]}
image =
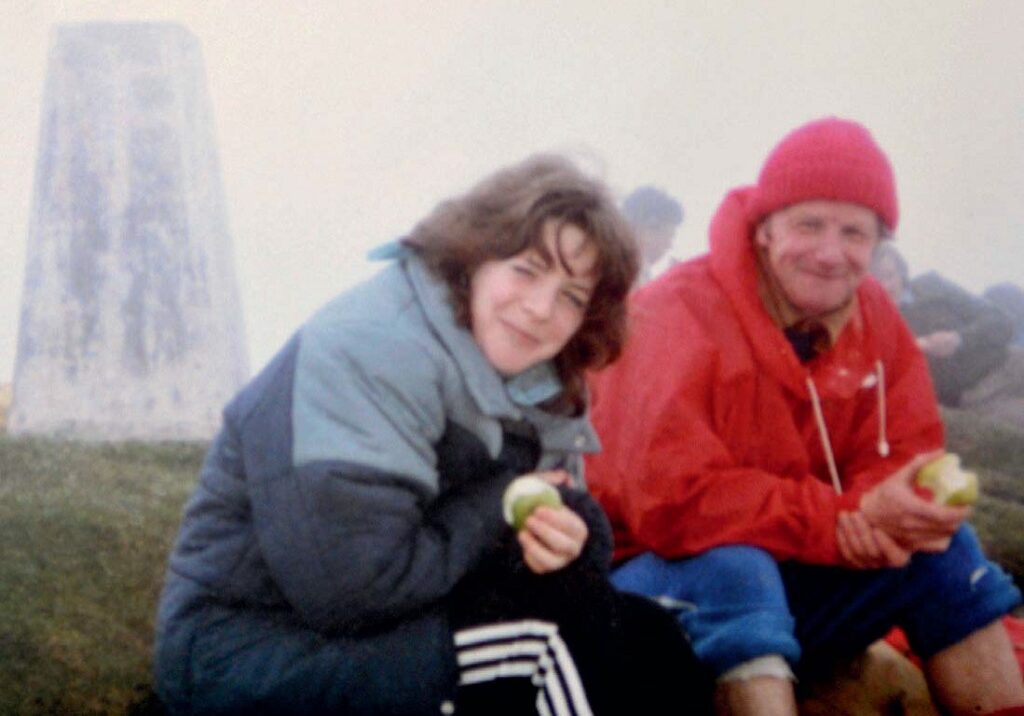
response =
{"points": [[708, 423]]}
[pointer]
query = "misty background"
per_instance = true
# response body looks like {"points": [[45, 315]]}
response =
{"points": [[341, 123]]}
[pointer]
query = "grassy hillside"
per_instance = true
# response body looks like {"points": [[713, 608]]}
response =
{"points": [[5, 404], [85, 531], [998, 455], [84, 534]]}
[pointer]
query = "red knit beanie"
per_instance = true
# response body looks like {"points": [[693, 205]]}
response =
{"points": [[829, 158]]}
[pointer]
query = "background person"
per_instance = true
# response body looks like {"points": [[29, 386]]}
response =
{"points": [[761, 432], [967, 340], [1009, 297], [655, 216], [345, 550]]}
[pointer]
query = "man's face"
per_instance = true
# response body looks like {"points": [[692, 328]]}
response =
{"points": [[817, 252]]}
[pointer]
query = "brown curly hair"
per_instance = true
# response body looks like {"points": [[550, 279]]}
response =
{"points": [[503, 216]]}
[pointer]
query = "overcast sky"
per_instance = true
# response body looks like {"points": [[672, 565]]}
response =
{"points": [[341, 123]]}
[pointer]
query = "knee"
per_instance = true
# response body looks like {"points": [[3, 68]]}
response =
{"points": [[730, 601], [740, 575], [957, 569], [742, 614], [960, 591]]}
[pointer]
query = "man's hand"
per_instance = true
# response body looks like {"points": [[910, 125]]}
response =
{"points": [[867, 547], [552, 538], [940, 344], [912, 521]]}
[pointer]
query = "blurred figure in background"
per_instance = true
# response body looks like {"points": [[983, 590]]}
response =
{"points": [[654, 216], [966, 339], [1009, 297]]}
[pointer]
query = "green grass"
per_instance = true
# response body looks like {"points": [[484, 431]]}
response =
{"points": [[998, 456], [85, 531], [84, 535]]}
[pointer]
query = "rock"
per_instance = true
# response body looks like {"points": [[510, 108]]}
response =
{"points": [[880, 681]]}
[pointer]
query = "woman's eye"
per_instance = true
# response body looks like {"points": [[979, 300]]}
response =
{"points": [[524, 270], [575, 299]]}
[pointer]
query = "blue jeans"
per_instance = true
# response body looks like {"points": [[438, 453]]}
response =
{"points": [[736, 603]]}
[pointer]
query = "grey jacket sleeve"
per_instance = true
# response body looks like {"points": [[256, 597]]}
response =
{"points": [[354, 527], [351, 548]]}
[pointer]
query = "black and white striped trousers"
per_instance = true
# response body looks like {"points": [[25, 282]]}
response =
{"points": [[531, 651]]}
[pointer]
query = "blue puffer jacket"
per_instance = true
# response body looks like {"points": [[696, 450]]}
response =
{"points": [[356, 480]]}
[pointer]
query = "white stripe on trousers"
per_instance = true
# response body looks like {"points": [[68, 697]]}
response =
{"points": [[525, 649]]}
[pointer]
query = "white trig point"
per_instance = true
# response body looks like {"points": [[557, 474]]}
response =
{"points": [[131, 324]]}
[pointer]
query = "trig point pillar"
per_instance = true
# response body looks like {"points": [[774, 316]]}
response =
{"points": [[131, 324]]}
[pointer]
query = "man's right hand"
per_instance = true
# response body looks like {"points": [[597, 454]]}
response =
{"points": [[912, 521], [866, 547]]}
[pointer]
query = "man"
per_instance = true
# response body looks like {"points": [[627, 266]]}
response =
{"points": [[1009, 297], [761, 433], [966, 339], [654, 216]]}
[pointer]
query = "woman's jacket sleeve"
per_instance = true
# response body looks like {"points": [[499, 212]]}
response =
{"points": [[338, 443]]}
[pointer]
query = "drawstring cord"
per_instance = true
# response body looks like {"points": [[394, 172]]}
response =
{"points": [[826, 443], [883, 444]]}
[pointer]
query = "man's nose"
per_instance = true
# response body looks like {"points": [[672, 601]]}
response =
{"points": [[831, 247]]}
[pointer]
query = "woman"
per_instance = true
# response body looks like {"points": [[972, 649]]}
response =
{"points": [[345, 550]]}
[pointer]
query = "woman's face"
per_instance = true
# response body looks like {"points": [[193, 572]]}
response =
{"points": [[524, 309]]}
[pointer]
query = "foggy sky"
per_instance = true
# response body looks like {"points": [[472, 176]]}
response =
{"points": [[341, 123]]}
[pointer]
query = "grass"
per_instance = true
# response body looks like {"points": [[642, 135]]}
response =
{"points": [[997, 453], [85, 531]]}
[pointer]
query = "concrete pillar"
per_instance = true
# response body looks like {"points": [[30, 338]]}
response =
{"points": [[131, 324]]}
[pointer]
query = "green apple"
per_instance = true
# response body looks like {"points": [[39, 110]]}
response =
{"points": [[948, 483], [525, 494]]}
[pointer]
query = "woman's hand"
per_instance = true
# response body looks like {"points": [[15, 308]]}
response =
{"points": [[552, 538]]}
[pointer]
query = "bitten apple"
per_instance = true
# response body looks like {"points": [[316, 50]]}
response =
{"points": [[525, 494], [948, 483]]}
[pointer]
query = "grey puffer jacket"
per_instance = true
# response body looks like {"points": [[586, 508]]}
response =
{"points": [[356, 480]]}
